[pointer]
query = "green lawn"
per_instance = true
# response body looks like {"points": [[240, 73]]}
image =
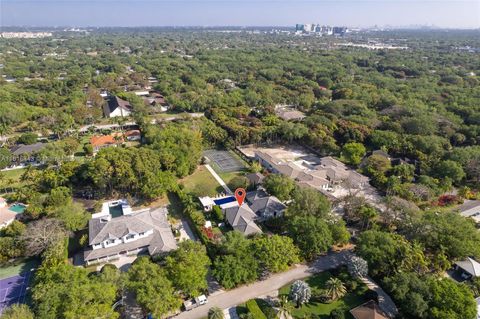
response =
{"points": [[11, 176], [18, 267], [201, 183], [351, 300]]}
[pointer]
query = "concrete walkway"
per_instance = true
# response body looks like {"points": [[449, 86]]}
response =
{"points": [[218, 179]]}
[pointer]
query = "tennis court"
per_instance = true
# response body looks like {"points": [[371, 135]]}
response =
{"points": [[226, 161], [14, 290]]}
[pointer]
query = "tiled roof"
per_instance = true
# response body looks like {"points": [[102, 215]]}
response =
{"points": [[369, 310], [156, 220], [21, 149], [242, 218]]}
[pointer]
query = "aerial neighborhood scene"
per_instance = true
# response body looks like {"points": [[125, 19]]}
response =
{"points": [[233, 159]]}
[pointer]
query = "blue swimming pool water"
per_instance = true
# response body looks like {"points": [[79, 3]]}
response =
{"points": [[17, 208], [225, 200]]}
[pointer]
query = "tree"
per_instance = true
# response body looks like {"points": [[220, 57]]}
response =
{"points": [[238, 182], [450, 169], [73, 215], [335, 288], [427, 297], [18, 311], [154, 292], [28, 138], [340, 233], [450, 233], [5, 157], [367, 214], [215, 313], [309, 202], [41, 235], [64, 291], [357, 267], [279, 185], [388, 253], [353, 152], [300, 293], [236, 263], [187, 268], [285, 308], [311, 234], [276, 253]]}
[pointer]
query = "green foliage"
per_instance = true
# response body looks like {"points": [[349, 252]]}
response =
{"points": [[311, 234], [254, 309], [215, 313], [236, 263], [187, 268], [178, 147], [279, 185], [352, 153], [388, 253], [5, 157], [154, 291], [27, 138], [309, 202], [18, 311], [448, 233], [430, 297], [65, 291], [276, 253]]}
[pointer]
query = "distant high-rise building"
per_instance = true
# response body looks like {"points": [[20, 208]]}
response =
{"points": [[299, 27]]}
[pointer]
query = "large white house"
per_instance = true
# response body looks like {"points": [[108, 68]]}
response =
{"points": [[115, 107], [118, 230]]}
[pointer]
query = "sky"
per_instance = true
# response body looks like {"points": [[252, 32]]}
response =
{"points": [[128, 13]]}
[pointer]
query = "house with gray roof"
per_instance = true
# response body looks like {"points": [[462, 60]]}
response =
{"points": [[469, 268], [242, 218], [26, 154], [116, 106], [264, 205], [119, 231], [470, 208]]}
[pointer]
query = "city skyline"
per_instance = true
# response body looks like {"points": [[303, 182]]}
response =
{"points": [[353, 13]]}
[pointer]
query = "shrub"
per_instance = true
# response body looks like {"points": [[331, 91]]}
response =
{"points": [[217, 213], [337, 314], [255, 310]]}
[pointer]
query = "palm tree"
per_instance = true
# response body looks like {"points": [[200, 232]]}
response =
{"points": [[215, 313], [284, 308], [335, 288]]}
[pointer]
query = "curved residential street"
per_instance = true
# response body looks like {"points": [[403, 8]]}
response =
{"points": [[270, 286]]}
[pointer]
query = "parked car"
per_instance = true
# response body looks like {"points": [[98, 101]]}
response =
{"points": [[194, 303]]}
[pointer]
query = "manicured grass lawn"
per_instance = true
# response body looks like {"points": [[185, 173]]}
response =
{"points": [[201, 183], [351, 300], [18, 267]]}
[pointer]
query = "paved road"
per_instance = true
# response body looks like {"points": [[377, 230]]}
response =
{"points": [[219, 179], [266, 287]]}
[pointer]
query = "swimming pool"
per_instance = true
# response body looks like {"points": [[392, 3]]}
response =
{"points": [[116, 210], [17, 208], [225, 200]]}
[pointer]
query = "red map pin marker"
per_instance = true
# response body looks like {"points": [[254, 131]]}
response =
{"points": [[240, 195]]}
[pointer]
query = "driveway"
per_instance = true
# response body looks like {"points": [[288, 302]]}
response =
{"points": [[266, 287], [186, 232]]}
